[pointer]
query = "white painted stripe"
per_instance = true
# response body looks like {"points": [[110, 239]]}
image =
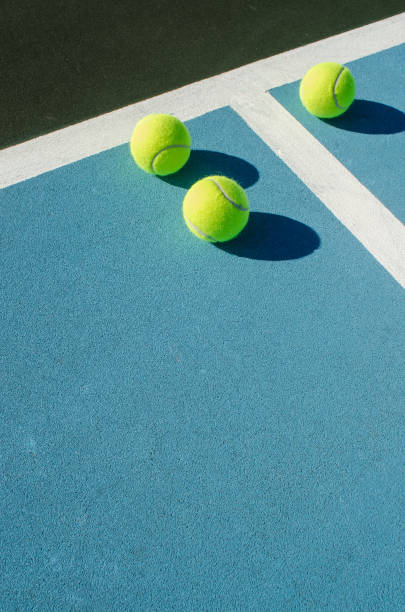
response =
{"points": [[238, 206], [95, 135], [378, 230]]}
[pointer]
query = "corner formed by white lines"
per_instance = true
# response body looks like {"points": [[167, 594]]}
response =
{"points": [[379, 231], [369, 220], [89, 137]]}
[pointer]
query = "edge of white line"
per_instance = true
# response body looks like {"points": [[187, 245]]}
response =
{"points": [[376, 228], [93, 136]]}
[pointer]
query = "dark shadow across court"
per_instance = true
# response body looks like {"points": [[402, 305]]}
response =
{"points": [[66, 61]]}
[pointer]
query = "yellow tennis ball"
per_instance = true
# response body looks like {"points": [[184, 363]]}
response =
{"points": [[327, 90], [160, 144], [216, 209]]}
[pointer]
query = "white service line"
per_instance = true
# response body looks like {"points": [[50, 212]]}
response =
{"points": [[73, 143], [378, 230]]}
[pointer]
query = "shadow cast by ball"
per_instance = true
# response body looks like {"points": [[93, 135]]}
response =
{"points": [[273, 238], [368, 117], [205, 163]]}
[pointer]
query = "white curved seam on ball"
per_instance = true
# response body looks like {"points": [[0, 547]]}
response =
{"points": [[334, 89], [180, 146], [238, 206], [199, 231]]}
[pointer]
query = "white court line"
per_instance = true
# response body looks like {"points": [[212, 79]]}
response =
{"points": [[73, 143], [356, 207]]}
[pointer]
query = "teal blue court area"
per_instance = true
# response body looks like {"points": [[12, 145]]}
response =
{"points": [[369, 139], [196, 427]]}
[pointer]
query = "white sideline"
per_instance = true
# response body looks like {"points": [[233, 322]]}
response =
{"points": [[244, 89], [70, 144], [354, 205]]}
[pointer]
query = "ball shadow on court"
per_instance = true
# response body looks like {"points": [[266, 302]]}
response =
{"points": [[205, 163], [368, 117], [273, 238]]}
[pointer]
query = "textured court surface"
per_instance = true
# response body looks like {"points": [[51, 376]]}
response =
{"points": [[190, 427]]}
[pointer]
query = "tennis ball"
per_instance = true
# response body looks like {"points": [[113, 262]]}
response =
{"points": [[216, 209], [160, 144], [327, 90]]}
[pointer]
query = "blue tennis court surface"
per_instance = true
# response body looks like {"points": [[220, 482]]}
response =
{"points": [[370, 138], [190, 427]]}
